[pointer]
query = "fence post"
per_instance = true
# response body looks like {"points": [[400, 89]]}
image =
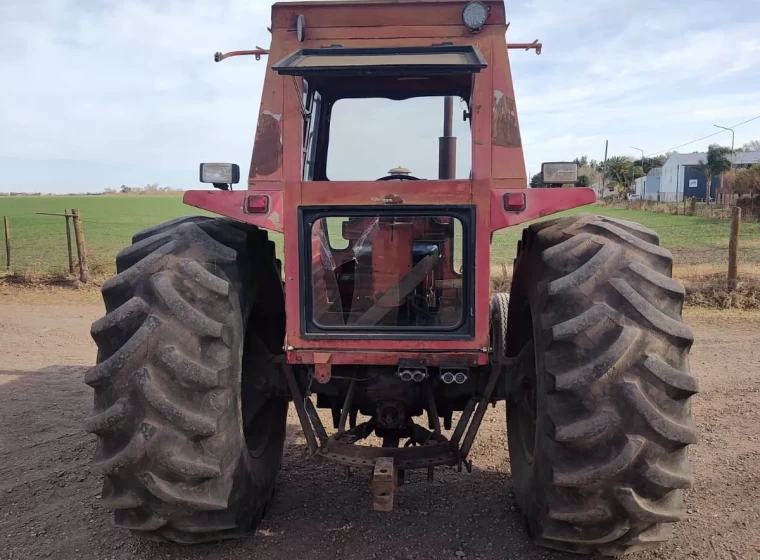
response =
{"points": [[84, 273], [68, 242], [733, 246], [7, 244]]}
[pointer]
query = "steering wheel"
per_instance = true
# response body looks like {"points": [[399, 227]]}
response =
{"points": [[399, 178]]}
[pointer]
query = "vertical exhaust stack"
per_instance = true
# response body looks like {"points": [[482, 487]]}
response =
{"points": [[447, 147]]}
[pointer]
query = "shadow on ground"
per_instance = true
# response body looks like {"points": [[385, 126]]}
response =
{"points": [[52, 508]]}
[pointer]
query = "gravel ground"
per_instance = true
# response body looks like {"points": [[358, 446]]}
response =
{"points": [[49, 500]]}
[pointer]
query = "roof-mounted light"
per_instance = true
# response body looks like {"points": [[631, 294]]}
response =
{"points": [[475, 16]]}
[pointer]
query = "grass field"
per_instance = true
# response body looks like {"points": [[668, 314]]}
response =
{"points": [[39, 242]]}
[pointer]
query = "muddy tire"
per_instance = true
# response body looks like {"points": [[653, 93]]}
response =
{"points": [[188, 442], [600, 421]]}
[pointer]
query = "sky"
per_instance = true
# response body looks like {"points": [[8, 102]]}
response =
{"points": [[99, 93]]}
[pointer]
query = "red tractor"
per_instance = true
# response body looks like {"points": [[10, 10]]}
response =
{"points": [[383, 312]]}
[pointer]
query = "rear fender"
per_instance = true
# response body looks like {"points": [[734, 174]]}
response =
{"points": [[538, 203], [234, 204]]}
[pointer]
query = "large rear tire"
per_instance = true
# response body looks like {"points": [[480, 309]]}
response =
{"points": [[189, 443], [599, 428]]}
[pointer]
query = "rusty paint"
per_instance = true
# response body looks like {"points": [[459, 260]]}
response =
{"points": [[505, 131], [267, 150], [322, 367], [274, 217], [388, 199]]}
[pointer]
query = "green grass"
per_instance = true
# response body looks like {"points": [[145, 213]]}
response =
{"points": [[110, 221], [692, 239]]}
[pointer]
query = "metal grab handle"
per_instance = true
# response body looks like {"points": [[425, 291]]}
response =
{"points": [[527, 46], [258, 53]]}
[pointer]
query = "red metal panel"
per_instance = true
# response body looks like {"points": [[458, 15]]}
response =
{"points": [[377, 193], [392, 358], [232, 205], [540, 203], [379, 13], [405, 32], [481, 126], [507, 157], [385, 193], [267, 158]]}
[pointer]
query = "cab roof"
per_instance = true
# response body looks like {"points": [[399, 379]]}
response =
{"points": [[379, 13]]}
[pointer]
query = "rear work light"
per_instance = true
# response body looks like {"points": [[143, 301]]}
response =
{"points": [[225, 173], [257, 204], [515, 202], [475, 16]]}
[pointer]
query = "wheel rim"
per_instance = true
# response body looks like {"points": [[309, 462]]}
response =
{"points": [[258, 431], [524, 399], [526, 405]]}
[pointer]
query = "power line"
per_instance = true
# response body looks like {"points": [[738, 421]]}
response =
{"points": [[703, 138]]}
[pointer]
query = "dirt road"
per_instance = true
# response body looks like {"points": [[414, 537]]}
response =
{"points": [[49, 500]]}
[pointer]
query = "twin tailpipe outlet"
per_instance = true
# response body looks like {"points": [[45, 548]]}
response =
{"points": [[416, 375], [449, 377]]}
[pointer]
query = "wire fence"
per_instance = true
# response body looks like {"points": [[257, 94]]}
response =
{"points": [[39, 243]]}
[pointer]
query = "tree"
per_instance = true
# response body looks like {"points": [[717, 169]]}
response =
{"points": [[751, 146], [747, 181], [591, 173], [581, 161], [537, 181], [583, 181], [125, 189], [618, 171], [649, 163], [717, 163]]}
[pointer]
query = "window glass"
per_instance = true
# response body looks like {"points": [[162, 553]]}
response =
{"points": [[369, 137], [387, 272]]}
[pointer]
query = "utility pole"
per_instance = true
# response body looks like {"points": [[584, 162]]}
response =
{"points": [[733, 136], [644, 197], [604, 168], [733, 161]]}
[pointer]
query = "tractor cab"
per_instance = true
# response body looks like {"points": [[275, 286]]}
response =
{"points": [[388, 270]]}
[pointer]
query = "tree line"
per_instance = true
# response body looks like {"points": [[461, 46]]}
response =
{"points": [[150, 188]]}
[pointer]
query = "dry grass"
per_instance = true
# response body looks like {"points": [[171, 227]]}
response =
{"points": [[713, 292], [685, 272], [706, 287]]}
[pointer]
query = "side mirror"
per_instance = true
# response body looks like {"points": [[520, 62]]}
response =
{"points": [[559, 173], [221, 175]]}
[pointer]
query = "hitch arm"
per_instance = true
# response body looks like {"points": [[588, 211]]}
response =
{"points": [[258, 52]]}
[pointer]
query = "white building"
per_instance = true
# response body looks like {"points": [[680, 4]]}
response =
{"points": [[648, 187], [681, 175]]}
